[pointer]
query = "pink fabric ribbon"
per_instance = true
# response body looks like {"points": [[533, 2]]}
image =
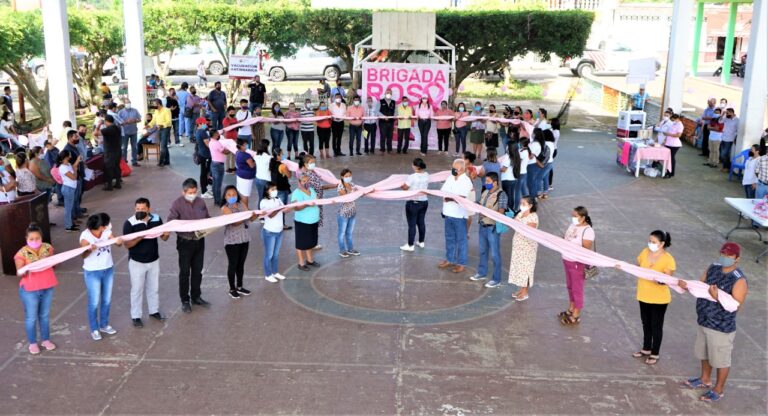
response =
{"points": [[384, 191]]}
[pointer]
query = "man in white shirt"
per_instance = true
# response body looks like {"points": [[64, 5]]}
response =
{"points": [[338, 111], [244, 133], [455, 217]]}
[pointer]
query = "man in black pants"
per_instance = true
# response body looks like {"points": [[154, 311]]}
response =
{"points": [[386, 108], [338, 110], [112, 137], [191, 248]]}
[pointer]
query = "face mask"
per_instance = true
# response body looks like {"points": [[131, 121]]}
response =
{"points": [[454, 172], [231, 114], [232, 200], [311, 166], [488, 186], [308, 106], [524, 208], [193, 92], [723, 104], [405, 104], [323, 108], [140, 215], [190, 198], [575, 221], [291, 108], [728, 116], [388, 96], [2, 168], [243, 107], [461, 109], [666, 118], [423, 100], [218, 88], [338, 100], [653, 247], [203, 126], [273, 194], [277, 108], [347, 179], [726, 261], [34, 244], [128, 105], [478, 108], [356, 102], [283, 157]]}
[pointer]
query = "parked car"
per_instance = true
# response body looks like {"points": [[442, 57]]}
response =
{"points": [[37, 65], [609, 58], [307, 62], [189, 57]]}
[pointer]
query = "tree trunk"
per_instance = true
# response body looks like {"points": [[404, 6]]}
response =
{"points": [[25, 82]]}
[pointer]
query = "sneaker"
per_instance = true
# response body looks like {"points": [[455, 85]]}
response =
{"points": [[492, 284], [421, 244], [96, 335], [344, 254], [181, 145], [477, 277], [207, 195], [108, 330], [243, 291], [406, 247], [279, 276], [48, 345], [72, 229], [34, 349], [272, 279], [302, 267], [353, 252], [233, 294], [186, 307], [137, 323], [157, 315], [318, 247]]}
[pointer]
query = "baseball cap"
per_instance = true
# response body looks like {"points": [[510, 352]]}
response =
{"points": [[201, 120], [731, 249]]}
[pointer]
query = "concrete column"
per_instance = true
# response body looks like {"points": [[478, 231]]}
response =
{"points": [[61, 101], [134, 54], [697, 38], [725, 76], [677, 55], [752, 116]]}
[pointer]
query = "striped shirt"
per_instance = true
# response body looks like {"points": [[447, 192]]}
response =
{"points": [[310, 125], [761, 169]]}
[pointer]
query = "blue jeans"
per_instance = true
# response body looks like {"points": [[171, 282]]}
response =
{"points": [[509, 188], [293, 140], [521, 188], [182, 122], [132, 139], [98, 283], [277, 138], [165, 138], [272, 242], [37, 308], [461, 139], [69, 205], [761, 191], [217, 173], [355, 136], [749, 192], [456, 240], [217, 119], [489, 241], [542, 182], [533, 182], [176, 133], [189, 127], [261, 184], [504, 140], [344, 235], [725, 154]]}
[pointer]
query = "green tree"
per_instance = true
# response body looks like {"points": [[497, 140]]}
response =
{"points": [[167, 27], [100, 34], [21, 34]]}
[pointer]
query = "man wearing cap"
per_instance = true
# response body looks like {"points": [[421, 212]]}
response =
{"points": [[639, 99], [717, 327]]}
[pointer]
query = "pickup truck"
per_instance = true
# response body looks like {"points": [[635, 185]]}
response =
{"points": [[610, 59]]}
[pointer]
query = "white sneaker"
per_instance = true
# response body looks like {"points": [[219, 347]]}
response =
{"points": [[271, 279], [108, 330], [279, 276], [96, 335], [207, 195], [406, 247], [421, 244], [181, 145]]}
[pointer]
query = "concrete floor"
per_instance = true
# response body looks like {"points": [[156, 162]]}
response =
{"points": [[387, 332]]}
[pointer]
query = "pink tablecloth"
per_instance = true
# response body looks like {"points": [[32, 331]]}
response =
{"points": [[662, 154]]}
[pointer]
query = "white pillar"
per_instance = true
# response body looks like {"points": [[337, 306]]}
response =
{"points": [[753, 107], [134, 54], [61, 100], [677, 56]]}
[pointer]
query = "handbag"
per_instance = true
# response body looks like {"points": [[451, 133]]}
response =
{"points": [[502, 228], [590, 272]]}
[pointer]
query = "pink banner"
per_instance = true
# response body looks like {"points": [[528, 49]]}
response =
{"points": [[384, 191]]}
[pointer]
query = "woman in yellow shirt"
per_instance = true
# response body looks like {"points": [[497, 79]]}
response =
{"points": [[654, 297]]}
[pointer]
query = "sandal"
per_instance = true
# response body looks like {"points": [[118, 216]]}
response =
{"points": [[564, 313], [696, 383], [652, 359], [570, 320], [640, 354], [711, 396]]}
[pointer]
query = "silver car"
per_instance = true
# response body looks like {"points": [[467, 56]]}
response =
{"points": [[306, 63]]}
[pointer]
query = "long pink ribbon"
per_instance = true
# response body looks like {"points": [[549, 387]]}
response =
{"points": [[383, 191]]}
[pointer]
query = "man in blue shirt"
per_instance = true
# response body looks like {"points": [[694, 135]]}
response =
{"points": [[639, 99], [182, 95], [130, 117], [706, 117]]}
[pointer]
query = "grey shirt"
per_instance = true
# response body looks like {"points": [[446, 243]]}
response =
{"points": [[125, 114]]}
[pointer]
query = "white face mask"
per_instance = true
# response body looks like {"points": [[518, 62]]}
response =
{"points": [[653, 247], [189, 197], [311, 166], [575, 221], [356, 103], [388, 96], [524, 208], [338, 100], [128, 106], [347, 179], [273, 194]]}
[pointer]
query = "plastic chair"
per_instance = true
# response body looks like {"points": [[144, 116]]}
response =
{"points": [[735, 164]]}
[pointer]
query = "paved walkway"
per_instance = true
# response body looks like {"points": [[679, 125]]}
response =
{"points": [[387, 332]]}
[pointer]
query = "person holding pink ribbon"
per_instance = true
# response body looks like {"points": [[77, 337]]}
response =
{"points": [[306, 221], [36, 289], [580, 232], [717, 326], [460, 130], [424, 113], [443, 127]]}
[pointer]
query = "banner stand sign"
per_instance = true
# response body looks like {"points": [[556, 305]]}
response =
{"points": [[243, 66]]}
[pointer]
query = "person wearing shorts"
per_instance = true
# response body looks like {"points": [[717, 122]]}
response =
{"points": [[245, 171], [717, 326]]}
